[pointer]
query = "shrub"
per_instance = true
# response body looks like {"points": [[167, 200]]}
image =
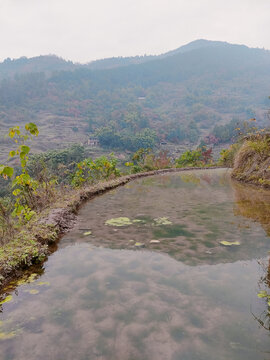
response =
{"points": [[227, 156], [89, 171], [190, 158]]}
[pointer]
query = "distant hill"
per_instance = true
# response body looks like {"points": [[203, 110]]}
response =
{"points": [[114, 62], [50, 63], [47, 64], [182, 94]]}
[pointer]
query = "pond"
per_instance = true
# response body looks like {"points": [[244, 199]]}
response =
{"points": [[165, 267]]}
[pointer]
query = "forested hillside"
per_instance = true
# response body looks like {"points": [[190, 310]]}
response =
{"points": [[179, 96]]}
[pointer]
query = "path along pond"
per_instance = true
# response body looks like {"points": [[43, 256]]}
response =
{"points": [[110, 292]]}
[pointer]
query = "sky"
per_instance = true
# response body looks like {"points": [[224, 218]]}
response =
{"points": [[85, 30]]}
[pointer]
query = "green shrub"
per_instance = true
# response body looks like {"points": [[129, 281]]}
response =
{"points": [[227, 156], [190, 158], [89, 171]]}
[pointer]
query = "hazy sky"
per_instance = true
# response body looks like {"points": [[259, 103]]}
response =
{"points": [[84, 30]]}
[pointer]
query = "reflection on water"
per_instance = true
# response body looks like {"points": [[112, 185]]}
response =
{"points": [[201, 210], [253, 203], [184, 297]]}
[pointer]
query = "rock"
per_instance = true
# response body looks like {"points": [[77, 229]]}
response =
{"points": [[61, 218], [154, 242]]}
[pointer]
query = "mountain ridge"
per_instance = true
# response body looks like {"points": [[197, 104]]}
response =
{"points": [[50, 63]]}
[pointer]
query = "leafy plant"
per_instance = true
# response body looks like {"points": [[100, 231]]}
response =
{"points": [[227, 156], [190, 158], [90, 171], [24, 186]]}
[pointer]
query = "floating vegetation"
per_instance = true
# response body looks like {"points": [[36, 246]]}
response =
{"points": [[120, 221], [33, 291], [8, 335], [87, 233], [32, 278], [21, 282], [125, 221], [262, 294], [25, 280], [6, 300], [229, 243], [162, 221], [41, 283], [139, 245]]}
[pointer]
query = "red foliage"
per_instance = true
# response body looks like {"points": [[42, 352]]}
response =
{"points": [[207, 155]]}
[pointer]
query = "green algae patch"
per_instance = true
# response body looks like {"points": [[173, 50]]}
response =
{"points": [[230, 243], [162, 221], [6, 300], [120, 221], [26, 280], [138, 221]]}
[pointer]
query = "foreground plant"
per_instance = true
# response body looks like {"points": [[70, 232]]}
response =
{"points": [[25, 186]]}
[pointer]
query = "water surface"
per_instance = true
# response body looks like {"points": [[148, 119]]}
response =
{"points": [[186, 297]]}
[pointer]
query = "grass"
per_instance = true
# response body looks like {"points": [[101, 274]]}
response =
{"points": [[252, 161]]}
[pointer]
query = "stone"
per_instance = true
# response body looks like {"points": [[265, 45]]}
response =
{"points": [[154, 242]]}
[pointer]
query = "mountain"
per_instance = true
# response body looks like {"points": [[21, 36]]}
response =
{"points": [[47, 64], [50, 63], [183, 94], [114, 62]]}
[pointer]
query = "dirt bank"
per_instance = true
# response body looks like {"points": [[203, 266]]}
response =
{"points": [[252, 161]]}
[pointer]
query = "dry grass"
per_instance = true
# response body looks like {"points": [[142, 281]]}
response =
{"points": [[252, 162]]}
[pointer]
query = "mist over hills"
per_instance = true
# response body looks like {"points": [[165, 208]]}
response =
{"points": [[181, 95]]}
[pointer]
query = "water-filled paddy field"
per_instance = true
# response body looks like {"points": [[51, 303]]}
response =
{"points": [[165, 267]]}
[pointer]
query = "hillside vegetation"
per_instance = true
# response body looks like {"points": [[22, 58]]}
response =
{"points": [[177, 97]]}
